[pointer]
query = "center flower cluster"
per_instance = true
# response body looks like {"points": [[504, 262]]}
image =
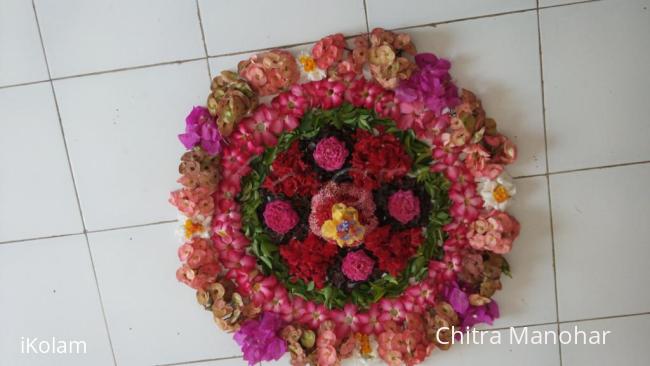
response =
{"points": [[344, 228], [340, 183]]}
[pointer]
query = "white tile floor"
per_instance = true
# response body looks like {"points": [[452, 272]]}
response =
{"points": [[92, 95]]}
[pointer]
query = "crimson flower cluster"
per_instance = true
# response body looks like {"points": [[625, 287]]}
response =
{"points": [[290, 175], [309, 259], [377, 160], [394, 249]]}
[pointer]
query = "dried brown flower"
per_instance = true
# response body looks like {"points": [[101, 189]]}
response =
{"points": [[231, 98]]}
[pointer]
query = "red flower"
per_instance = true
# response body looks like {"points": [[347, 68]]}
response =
{"points": [[362, 93], [378, 159], [309, 260], [290, 175], [393, 250]]}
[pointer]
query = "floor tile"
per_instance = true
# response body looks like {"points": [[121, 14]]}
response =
{"points": [[47, 289], [600, 225], [82, 37], [21, 54], [394, 14], [153, 318], [627, 344], [529, 296], [31, 153], [595, 82], [498, 59], [269, 24], [123, 139]]}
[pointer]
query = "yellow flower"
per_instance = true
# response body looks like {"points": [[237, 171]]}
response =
{"points": [[344, 227], [364, 344], [192, 228], [308, 63], [309, 67], [500, 193]]}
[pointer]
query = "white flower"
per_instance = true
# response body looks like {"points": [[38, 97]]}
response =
{"points": [[308, 67], [497, 193], [193, 227]]}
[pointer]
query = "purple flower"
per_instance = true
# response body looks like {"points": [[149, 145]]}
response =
{"points": [[471, 315], [201, 129], [258, 339], [431, 84], [480, 314], [459, 300]]}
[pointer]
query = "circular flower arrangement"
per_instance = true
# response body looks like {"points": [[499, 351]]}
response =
{"points": [[360, 212]]}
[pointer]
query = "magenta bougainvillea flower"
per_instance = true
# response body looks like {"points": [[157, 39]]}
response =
{"points": [[280, 217], [330, 154], [357, 265], [431, 84], [403, 206], [469, 314], [201, 130], [259, 339]]}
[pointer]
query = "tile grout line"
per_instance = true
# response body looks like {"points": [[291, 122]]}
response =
{"points": [[200, 361], [548, 180], [641, 162], [604, 317], [458, 20], [40, 238], [205, 46], [74, 184], [365, 13], [89, 232], [565, 321], [181, 61], [129, 68], [23, 84], [490, 15], [602, 167], [132, 226]]}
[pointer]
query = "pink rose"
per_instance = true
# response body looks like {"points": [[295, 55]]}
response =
{"points": [[330, 154], [280, 217], [357, 266], [403, 206]]}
